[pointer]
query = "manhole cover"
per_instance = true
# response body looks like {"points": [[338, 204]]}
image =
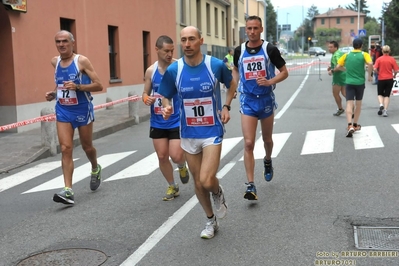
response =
{"points": [[66, 257], [378, 238]]}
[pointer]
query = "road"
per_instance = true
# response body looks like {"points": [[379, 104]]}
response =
{"points": [[324, 184]]}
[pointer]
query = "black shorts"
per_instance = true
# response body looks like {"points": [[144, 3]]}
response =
{"points": [[354, 92], [159, 133], [384, 87]]}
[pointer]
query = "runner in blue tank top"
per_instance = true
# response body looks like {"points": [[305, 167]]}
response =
{"points": [[164, 133], [255, 62], [195, 79], [75, 78]]}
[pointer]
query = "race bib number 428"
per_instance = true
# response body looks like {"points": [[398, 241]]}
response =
{"points": [[254, 67]]}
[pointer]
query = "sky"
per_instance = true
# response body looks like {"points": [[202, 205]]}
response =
{"points": [[294, 9]]}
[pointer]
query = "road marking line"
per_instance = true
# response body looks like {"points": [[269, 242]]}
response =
{"points": [[319, 141], [396, 127], [367, 138], [81, 172], [168, 225], [28, 174], [279, 140], [289, 102]]}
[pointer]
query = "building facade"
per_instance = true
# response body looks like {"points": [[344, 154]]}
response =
{"points": [[344, 19], [218, 20], [118, 38]]}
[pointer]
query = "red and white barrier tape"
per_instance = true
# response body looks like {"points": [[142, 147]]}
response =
{"points": [[51, 117]]}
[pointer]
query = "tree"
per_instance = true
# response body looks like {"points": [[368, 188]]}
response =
{"points": [[271, 22], [363, 6], [391, 21]]}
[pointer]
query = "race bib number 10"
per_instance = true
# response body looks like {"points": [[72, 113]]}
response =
{"points": [[199, 112], [254, 67]]}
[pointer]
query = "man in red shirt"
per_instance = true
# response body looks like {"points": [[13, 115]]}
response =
{"points": [[386, 68]]}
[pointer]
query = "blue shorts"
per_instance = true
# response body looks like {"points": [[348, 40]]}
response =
{"points": [[260, 107], [76, 115]]}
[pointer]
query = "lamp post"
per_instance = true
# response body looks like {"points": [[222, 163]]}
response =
{"points": [[277, 26], [288, 41]]}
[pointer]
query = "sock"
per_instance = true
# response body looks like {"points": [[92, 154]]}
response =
{"points": [[251, 183], [355, 124], [95, 170], [172, 184], [181, 165], [267, 161], [211, 216], [349, 124]]}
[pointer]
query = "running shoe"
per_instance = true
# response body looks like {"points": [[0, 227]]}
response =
{"points": [[269, 170], [184, 174], [65, 196], [357, 127], [339, 112], [211, 228], [250, 193], [380, 110], [384, 113], [95, 180], [350, 132], [171, 192], [219, 203]]}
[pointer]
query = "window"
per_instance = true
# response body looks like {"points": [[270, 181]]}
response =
{"points": [[69, 25], [338, 20], [216, 23], [208, 19], [322, 21], [199, 14], [223, 25], [146, 51], [183, 12], [113, 53], [352, 20]]}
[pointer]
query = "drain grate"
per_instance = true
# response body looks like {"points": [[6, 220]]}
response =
{"points": [[66, 257], [376, 238]]}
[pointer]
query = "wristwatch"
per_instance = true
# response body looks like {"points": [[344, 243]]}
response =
{"points": [[227, 106], [78, 87]]}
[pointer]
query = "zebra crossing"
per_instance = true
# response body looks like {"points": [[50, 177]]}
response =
{"points": [[315, 142]]}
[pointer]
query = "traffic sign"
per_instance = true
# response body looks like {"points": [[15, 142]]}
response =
{"points": [[362, 33], [315, 40]]}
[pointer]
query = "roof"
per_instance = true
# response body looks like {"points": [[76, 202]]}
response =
{"points": [[339, 12]]}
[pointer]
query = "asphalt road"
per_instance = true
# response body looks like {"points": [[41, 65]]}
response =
{"points": [[323, 186]]}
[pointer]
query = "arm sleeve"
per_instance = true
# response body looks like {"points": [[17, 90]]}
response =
{"points": [[341, 60], [237, 54], [167, 88], [367, 58], [275, 56]]}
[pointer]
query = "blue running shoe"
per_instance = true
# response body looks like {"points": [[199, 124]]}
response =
{"points": [[250, 193], [268, 172]]}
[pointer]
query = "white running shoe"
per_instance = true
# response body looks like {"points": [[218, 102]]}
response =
{"points": [[219, 203], [211, 228]]}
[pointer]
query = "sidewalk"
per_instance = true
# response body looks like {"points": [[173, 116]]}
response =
{"points": [[18, 149]]}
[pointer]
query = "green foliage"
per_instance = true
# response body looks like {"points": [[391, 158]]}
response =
{"points": [[325, 35], [391, 20]]}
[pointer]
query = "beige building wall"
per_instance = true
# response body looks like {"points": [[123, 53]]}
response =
{"points": [[218, 20]]}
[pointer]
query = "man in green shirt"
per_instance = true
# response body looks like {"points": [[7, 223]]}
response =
{"points": [[354, 63], [338, 80]]}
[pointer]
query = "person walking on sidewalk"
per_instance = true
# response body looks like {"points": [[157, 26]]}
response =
{"points": [[165, 134], [255, 62], [386, 68], [377, 54], [195, 79], [75, 79], [338, 80], [354, 62]]}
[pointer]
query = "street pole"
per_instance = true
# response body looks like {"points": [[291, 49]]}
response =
{"points": [[302, 41], [358, 16], [277, 27], [288, 41]]}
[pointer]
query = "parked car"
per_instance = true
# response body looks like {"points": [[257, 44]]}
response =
{"points": [[316, 51], [283, 51], [346, 49]]}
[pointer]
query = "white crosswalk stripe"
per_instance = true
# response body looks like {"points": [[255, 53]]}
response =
{"points": [[367, 138], [315, 142], [81, 172], [319, 141]]}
